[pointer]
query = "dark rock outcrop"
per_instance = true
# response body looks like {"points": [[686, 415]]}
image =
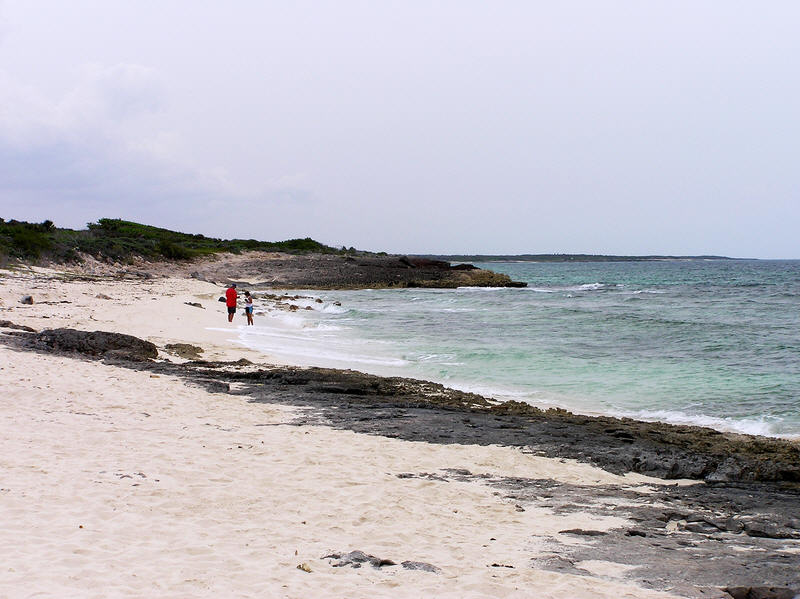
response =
{"points": [[96, 343], [424, 411], [7, 324], [325, 271], [663, 550], [761, 593]]}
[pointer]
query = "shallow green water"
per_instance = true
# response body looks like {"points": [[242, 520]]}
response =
{"points": [[707, 342]]}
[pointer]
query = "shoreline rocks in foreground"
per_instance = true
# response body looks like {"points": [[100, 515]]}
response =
{"points": [[421, 410], [734, 534]]}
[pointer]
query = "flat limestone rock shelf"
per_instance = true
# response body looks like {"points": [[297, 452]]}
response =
{"points": [[321, 271], [311, 271]]}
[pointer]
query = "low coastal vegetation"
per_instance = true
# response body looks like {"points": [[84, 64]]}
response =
{"points": [[120, 240], [117, 240]]}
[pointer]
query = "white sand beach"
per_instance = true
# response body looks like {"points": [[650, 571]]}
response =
{"points": [[121, 483]]}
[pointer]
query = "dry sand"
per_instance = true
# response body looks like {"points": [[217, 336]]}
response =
{"points": [[119, 483]]}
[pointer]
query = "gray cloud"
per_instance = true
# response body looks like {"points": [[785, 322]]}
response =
{"points": [[95, 152], [448, 127]]}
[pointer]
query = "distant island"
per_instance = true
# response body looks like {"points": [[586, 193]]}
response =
{"points": [[561, 258]]}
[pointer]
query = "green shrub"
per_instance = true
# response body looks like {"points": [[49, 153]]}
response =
{"points": [[120, 240], [25, 240], [174, 251]]}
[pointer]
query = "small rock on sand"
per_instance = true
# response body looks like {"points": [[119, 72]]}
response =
{"points": [[184, 350]]}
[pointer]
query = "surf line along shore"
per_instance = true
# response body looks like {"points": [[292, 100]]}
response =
{"points": [[219, 475]]}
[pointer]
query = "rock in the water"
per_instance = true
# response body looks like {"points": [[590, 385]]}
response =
{"points": [[194, 304], [97, 343]]}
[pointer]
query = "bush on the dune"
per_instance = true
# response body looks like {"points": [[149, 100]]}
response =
{"points": [[121, 240]]}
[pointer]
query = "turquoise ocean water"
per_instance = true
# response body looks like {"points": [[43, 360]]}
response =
{"points": [[715, 343]]}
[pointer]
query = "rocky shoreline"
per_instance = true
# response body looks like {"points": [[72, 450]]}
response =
{"points": [[738, 528], [419, 410], [310, 271]]}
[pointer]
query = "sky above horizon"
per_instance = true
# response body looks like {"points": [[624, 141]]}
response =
{"points": [[453, 126]]}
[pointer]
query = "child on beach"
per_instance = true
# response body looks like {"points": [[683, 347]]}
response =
{"points": [[248, 307]]}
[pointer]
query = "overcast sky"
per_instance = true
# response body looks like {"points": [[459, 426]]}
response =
{"points": [[594, 126]]}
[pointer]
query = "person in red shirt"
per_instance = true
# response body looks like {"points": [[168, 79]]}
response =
{"points": [[230, 300]]}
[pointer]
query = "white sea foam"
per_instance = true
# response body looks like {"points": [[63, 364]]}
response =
{"points": [[318, 356], [333, 309], [749, 426], [289, 320], [300, 337], [438, 358], [313, 347], [569, 289]]}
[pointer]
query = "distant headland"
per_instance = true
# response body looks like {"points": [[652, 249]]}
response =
{"points": [[124, 248]]}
